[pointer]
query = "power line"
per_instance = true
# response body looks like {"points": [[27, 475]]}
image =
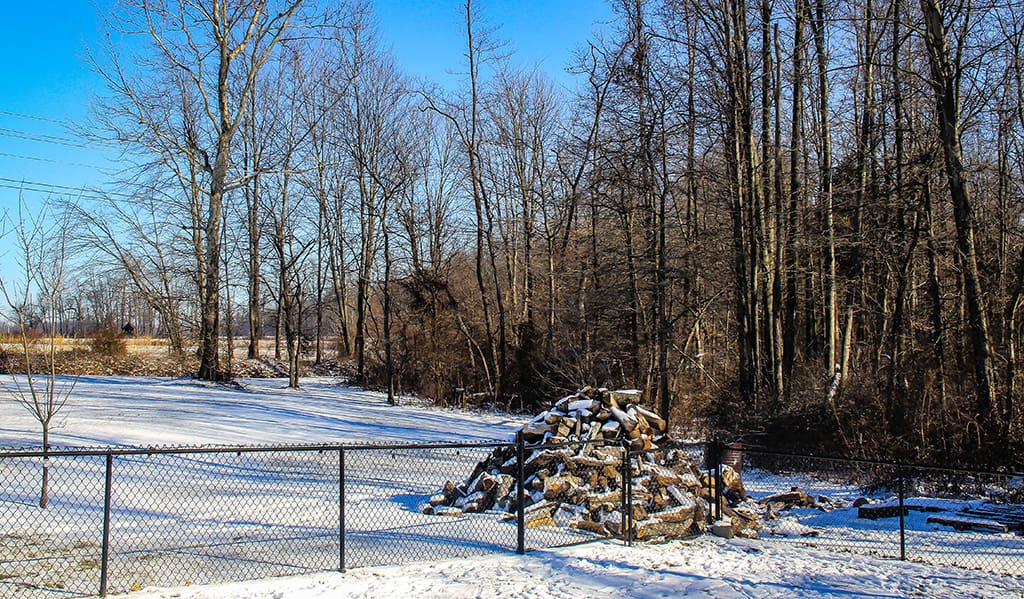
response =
{"points": [[56, 188], [48, 191], [22, 115], [42, 138], [51, 160]]}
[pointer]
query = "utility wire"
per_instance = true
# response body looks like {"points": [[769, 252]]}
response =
{"points": [[86, 196], [54, 161], [22, 115], [56, 188], [42, 138]]}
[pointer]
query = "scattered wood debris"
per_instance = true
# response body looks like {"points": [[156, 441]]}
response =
{"points": [[795, 497], [891, 509], [966, 523], [1010, 515]]}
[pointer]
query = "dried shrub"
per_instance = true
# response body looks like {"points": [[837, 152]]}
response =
{"points": [[107, 342]]}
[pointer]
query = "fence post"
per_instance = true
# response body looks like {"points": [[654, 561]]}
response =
{"points": [[105, 555], [627, 494], [713, 458], [520, 493], [719, 483], [341, 509], [903, 527]]}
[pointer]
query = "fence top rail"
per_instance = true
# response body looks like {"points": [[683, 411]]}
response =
{"points": [[325, 447], [209, 449], [870, 462]]}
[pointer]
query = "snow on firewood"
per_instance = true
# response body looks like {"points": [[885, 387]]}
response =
{"points": [[573, 473]]}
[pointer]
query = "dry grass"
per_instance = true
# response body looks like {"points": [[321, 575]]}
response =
{"points": [[146, 357], [82, 361]]}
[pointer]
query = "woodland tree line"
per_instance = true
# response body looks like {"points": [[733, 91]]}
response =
{"points": [[796, 221]]}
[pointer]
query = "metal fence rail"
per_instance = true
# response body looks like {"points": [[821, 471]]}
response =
{"points": [[123, 519]]}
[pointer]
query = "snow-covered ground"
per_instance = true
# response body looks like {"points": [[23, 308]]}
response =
{"points": [[152, 411], [708, 567], [177, 518]]}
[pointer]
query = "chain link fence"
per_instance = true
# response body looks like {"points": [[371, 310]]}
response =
{"points": [[123, 519], [118, 520], [932, 515], [385, 489]]}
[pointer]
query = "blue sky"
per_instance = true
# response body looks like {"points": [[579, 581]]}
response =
{"points": [[45, 79]]}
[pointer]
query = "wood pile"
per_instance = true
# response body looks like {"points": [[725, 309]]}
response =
{"points": [[574, 467]]}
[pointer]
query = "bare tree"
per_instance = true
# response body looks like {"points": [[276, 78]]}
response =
{"points": [[41, 240], [138, 237], [215, 49], [466, 114]]}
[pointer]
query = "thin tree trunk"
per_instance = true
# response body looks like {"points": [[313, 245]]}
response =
{"points": [[389, 366], [44, 484], [944, 82], [818, 33]]}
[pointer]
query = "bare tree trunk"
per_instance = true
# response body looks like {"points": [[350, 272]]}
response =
{"points": [[944, 72], [321, 225], [934, 292], [819, 33], [766, 216], [252, 191], [389, 365], [743, 202], [339, 282], [229, 333], [209, 338]]}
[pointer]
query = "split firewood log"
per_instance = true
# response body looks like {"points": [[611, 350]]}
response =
{"points": [[624, 397], [638, 510], [663, 475], [592, 526], [680, 514], [560, 485], [653, 420], [540, 514], [450, 492], [611, 428], [628, 422], [609, 498], [656, 528], [795, 497]]}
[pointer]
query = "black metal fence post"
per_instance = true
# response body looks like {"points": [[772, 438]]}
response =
{"points": [[520, 493], [709, 464], [341, 509], [105, 555], [714, 464], [903, 526], [627, 494]]}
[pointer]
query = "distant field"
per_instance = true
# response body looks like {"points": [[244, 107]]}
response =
{"points": [[11, 343]]}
